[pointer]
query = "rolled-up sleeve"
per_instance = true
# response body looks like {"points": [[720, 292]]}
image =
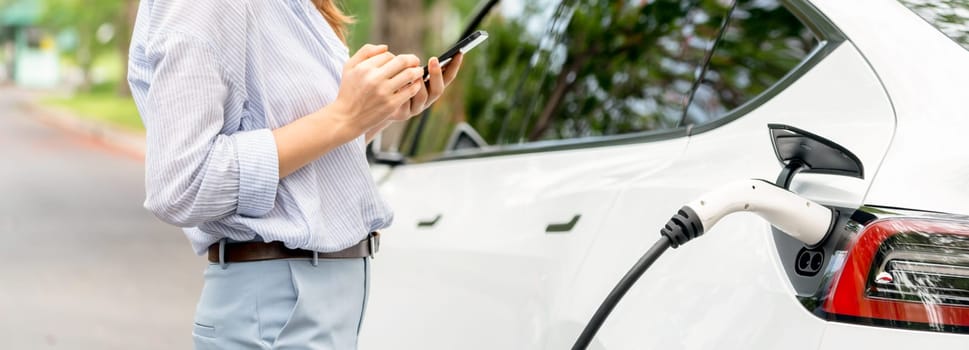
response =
{"points": [[258, 172], [198, 167]]}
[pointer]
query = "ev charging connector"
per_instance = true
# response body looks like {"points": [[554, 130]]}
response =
{"points": [[799, 217], [798, 151]]}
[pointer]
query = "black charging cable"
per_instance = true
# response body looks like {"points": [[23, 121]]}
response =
{"points": [[619, 291], [682, 227]]}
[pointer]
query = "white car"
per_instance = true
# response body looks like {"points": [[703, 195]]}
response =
{"points": [[580, 127]]}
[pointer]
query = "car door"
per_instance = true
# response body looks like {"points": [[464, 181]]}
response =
{"points": [[487, 241], [737, 286]]}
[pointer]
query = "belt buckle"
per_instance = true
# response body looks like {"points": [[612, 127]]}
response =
{"points": [[374, 243]]}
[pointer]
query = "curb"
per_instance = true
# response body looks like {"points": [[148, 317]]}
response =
{"points": [[123, 141]]}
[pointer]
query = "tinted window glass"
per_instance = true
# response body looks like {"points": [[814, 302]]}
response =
{"points": [[951, 17], [582, 68], [485, 90], [587, 68], [763, 42], [614, 67]]}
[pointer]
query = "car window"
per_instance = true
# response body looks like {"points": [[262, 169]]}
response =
{"points": [[762, 43], [585, 69], [613, 67], [951, 17], [577, 69], [485, 88]]}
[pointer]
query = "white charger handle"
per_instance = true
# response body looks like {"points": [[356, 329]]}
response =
{"points": [[799, 217]]}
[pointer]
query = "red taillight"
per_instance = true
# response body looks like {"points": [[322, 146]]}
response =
{"points": [[905, 272]]}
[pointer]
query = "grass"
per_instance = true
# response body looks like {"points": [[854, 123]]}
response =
{"points": [[102, 104]]}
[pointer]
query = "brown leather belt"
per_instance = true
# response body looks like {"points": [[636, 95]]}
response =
{"points": [[256, 251]]}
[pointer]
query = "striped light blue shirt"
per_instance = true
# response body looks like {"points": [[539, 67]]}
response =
{"points": [[211, 78]]}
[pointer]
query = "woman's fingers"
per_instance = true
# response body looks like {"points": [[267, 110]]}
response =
{"points": [[392, 68], [364, 53], [435, 83], [452, 69], [408, 76], [417, 103], [402, 112], [407, 93], [378, 85], [377, 60]]}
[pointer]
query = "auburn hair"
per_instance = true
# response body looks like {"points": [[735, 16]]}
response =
{"points": [[335, 17]]}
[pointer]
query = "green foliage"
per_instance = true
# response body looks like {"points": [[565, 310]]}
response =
{"points": [[951, 17], [102, 104], [360, 29], [615, 50], [84, 17], [761, 45]]}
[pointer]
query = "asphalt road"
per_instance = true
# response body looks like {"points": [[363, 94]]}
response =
{"points": [[82, 264]]}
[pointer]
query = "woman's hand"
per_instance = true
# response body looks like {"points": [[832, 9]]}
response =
{"points": [[439, 79], [374, 86]]}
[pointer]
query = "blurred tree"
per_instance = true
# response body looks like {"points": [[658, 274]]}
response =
{"points": [[125, 24], [399, 24], [87, 18]]}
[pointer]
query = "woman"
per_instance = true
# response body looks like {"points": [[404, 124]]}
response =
{"points": [[257, 121]]}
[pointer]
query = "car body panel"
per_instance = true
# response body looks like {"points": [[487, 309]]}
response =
{"points": [[852, 337], [480, 277], [925, 74], [693, 297], [487, 276]]}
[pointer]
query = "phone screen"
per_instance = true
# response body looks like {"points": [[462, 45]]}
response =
{"points": [[462, 46]]}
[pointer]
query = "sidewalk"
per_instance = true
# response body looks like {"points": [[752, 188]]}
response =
{"points": [[121, 140]]}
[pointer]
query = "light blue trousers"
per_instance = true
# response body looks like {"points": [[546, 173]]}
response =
{"points": [[282, 304]]}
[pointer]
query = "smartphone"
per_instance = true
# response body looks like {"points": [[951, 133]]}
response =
{"points": [[462, 46]]}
